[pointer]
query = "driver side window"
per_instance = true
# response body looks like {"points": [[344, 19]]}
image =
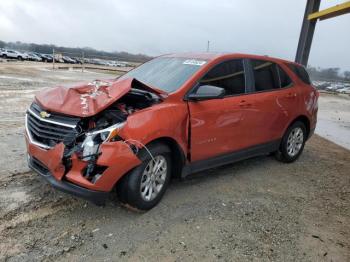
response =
{"points": [[228, 75]]}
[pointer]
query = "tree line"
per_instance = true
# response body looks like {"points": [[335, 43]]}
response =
{"points": [[332, 73], [74, 51], [316, 73]]}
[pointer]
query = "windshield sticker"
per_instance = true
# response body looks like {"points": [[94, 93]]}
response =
{"points": [[194, 62]]}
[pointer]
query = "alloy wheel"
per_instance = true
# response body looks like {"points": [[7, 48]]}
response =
{"points": [[153, 178], [295, 141]]}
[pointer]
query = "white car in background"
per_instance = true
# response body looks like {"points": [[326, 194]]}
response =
{"points": [[34, 57], [120, 64], [345, 90], [14, 54]]}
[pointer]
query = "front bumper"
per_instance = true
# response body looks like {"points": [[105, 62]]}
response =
{"points": [[97, 197], [116, 157]]}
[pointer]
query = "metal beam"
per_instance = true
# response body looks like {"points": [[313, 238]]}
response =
{"points": [[307, 32], [334, 11]]}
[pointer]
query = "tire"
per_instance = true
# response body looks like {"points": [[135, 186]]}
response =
{"points": [[19, 58], [292, 143], [4, 56], [132, 188]]}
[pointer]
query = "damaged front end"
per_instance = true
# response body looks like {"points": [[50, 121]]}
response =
{"points": [[84, 155]]}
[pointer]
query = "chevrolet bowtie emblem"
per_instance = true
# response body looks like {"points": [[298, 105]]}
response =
{"points": [[44, 114]]}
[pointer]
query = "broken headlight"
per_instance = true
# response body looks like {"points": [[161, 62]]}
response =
{"points": [[93, 140]]}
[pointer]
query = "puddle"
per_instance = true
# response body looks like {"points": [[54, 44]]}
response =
{"points": [[333, 131]]}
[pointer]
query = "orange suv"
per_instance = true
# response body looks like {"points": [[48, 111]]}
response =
{"points": [[174, 115]]}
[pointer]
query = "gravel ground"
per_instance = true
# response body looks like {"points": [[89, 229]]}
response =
{"points": [[258, 209]]}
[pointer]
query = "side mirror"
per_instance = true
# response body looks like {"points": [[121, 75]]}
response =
{"points": [[207, 92]]}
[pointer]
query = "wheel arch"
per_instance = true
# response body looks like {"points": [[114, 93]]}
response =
{"points": [[305, 120], [177, 154]]}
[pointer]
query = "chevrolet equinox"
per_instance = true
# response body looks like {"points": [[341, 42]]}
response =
{"points": [[172, 116]]}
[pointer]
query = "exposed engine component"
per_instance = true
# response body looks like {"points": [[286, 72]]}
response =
{"points": [[83, 136], [105, 126], [118, 112]]}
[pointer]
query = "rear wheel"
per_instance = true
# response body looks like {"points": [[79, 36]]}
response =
{"points": [[144, 186], [292, 143]]}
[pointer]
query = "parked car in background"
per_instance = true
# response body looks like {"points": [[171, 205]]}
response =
{"points": [[34, 57], [116, 64], [110, 63], [120, 64], [97, 61], [39, 55], [344, 90], [22, 55], [77, 60], [59, 59], [7, 53], [68, 60], [172, 116], [47, 58]]}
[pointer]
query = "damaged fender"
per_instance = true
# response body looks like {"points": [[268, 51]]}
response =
{"points": [[161, 121], [119, 159]]}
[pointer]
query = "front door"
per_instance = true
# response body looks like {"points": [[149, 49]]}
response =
{"points": [[218, 125]]}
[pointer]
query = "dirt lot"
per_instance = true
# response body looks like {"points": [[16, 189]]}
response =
{"points": [[258, 209]]}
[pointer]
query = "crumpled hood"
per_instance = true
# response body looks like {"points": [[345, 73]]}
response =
{"points": [[87, 99]]}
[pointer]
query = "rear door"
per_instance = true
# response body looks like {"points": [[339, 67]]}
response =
{"points": [[275, 99]]}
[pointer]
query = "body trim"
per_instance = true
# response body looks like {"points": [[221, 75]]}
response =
{"points": [[97, 197], [50, 121], [231, 157], [30, 136]]}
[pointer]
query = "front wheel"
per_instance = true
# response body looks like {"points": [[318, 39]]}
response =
{"points": [[144, 186], [292, 143]]}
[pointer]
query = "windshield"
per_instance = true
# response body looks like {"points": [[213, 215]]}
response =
{"points": [[166, 73]]}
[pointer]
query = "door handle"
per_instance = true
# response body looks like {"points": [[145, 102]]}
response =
{"points": [[244, 103], [291, 95]]}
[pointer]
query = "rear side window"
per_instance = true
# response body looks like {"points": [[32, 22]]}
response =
{"points": [[265, 75], [300, 72], [285, 80], [228, 75]]}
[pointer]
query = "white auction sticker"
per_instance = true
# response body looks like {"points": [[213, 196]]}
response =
{"points": [[194, 62]]}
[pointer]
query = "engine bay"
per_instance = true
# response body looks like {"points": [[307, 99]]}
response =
{"points": [[83, 136], [93, 131], [118, 112]]}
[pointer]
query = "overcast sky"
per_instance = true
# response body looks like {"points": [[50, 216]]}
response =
{"points": [[156, 27]]}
